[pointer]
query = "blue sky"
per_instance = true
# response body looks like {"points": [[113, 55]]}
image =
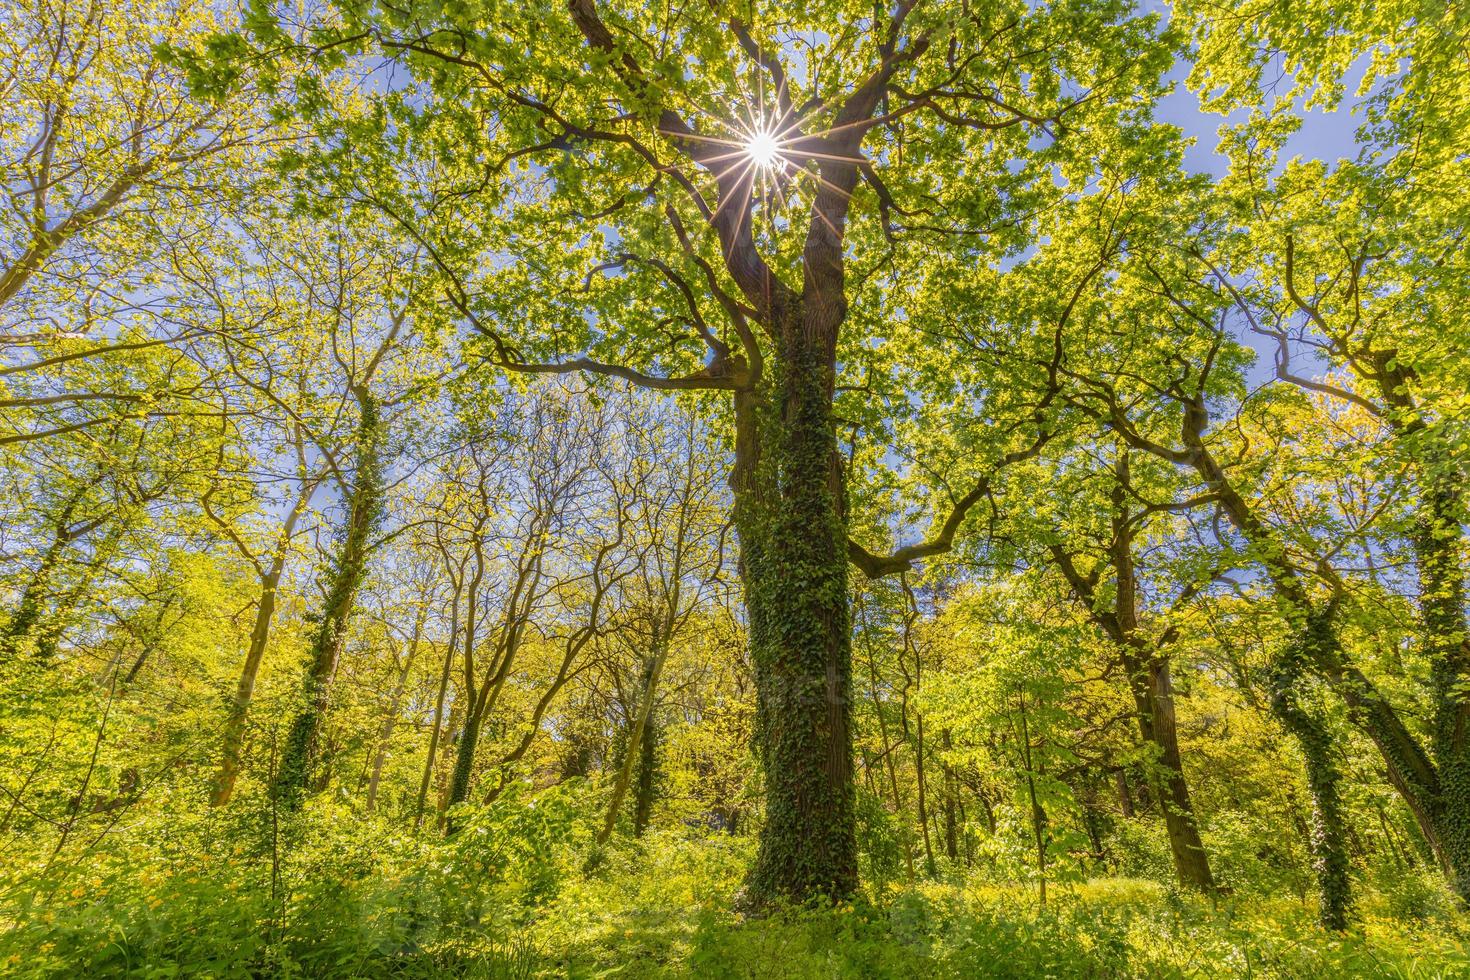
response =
{"points": [[1323, 135]]}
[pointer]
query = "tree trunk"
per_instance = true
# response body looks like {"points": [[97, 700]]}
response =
{"points": [[1439, 546], [1153, 695], [1038, 815], [951, 847], [792, 525], [390, 717], [647, 694], [233, 735], [438, 727], [930, 867], [1328, 838], [364, 512], [1315, 644], [647, 781], [234, 728], [1125, 795], [1149, 682]]}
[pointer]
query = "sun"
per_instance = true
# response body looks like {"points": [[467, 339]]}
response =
{"points": [[763, 149]]}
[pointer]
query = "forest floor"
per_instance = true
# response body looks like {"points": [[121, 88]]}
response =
{"points": [[520, 900]]}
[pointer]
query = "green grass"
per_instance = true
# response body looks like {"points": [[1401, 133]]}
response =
{"points": [[512, 900]]}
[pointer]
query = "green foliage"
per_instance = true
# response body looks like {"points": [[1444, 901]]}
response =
{"points": [[1032, 557], [500, 900]]}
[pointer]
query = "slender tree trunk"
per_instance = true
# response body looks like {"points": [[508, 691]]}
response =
{"points": [[647, 695], [929, 866], [233, 735], [464, 754], [1038, 815], [233, 740], [364, 513], [438, 726], [482, 701], [151, 640], [448, 753], [395, 703], [889, 747], [647, 781], [951, 848], [1125, 795], [920, 769]]}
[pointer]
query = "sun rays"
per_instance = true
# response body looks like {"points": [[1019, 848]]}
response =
{"points": [[764, 151], [764, 161]]}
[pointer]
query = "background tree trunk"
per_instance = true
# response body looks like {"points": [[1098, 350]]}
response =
{"points": [[364, 511]]}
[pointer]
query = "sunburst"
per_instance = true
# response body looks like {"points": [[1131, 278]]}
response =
{"points": [[764, 150], [771, 161]]}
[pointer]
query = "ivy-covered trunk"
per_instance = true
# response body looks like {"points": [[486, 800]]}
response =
{"points": [[1315, 646], [29, 611], [364, 511], [1439, 548], [645, 786], [790, 514], [1329, 826], [1435, 783]]}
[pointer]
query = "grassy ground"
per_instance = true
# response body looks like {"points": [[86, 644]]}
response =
{"points": [[658, 922], [516, 900]]}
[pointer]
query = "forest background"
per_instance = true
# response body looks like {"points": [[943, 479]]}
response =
{"points": [[592, 488]]}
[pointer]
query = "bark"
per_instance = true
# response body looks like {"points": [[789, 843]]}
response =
{"points": [[1315, 644], [234, 727], [1154, 699], [1439, 546], [1440, 797], [1149, 682], [233, 733], [1125, 795], [794, 566], [438, 726], [1434, 784], [1038, 814], [916, 681], [951, 847], [482, 697], [647, 782]]}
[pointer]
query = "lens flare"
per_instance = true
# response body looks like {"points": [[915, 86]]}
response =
{"points": [[763, 150]]}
